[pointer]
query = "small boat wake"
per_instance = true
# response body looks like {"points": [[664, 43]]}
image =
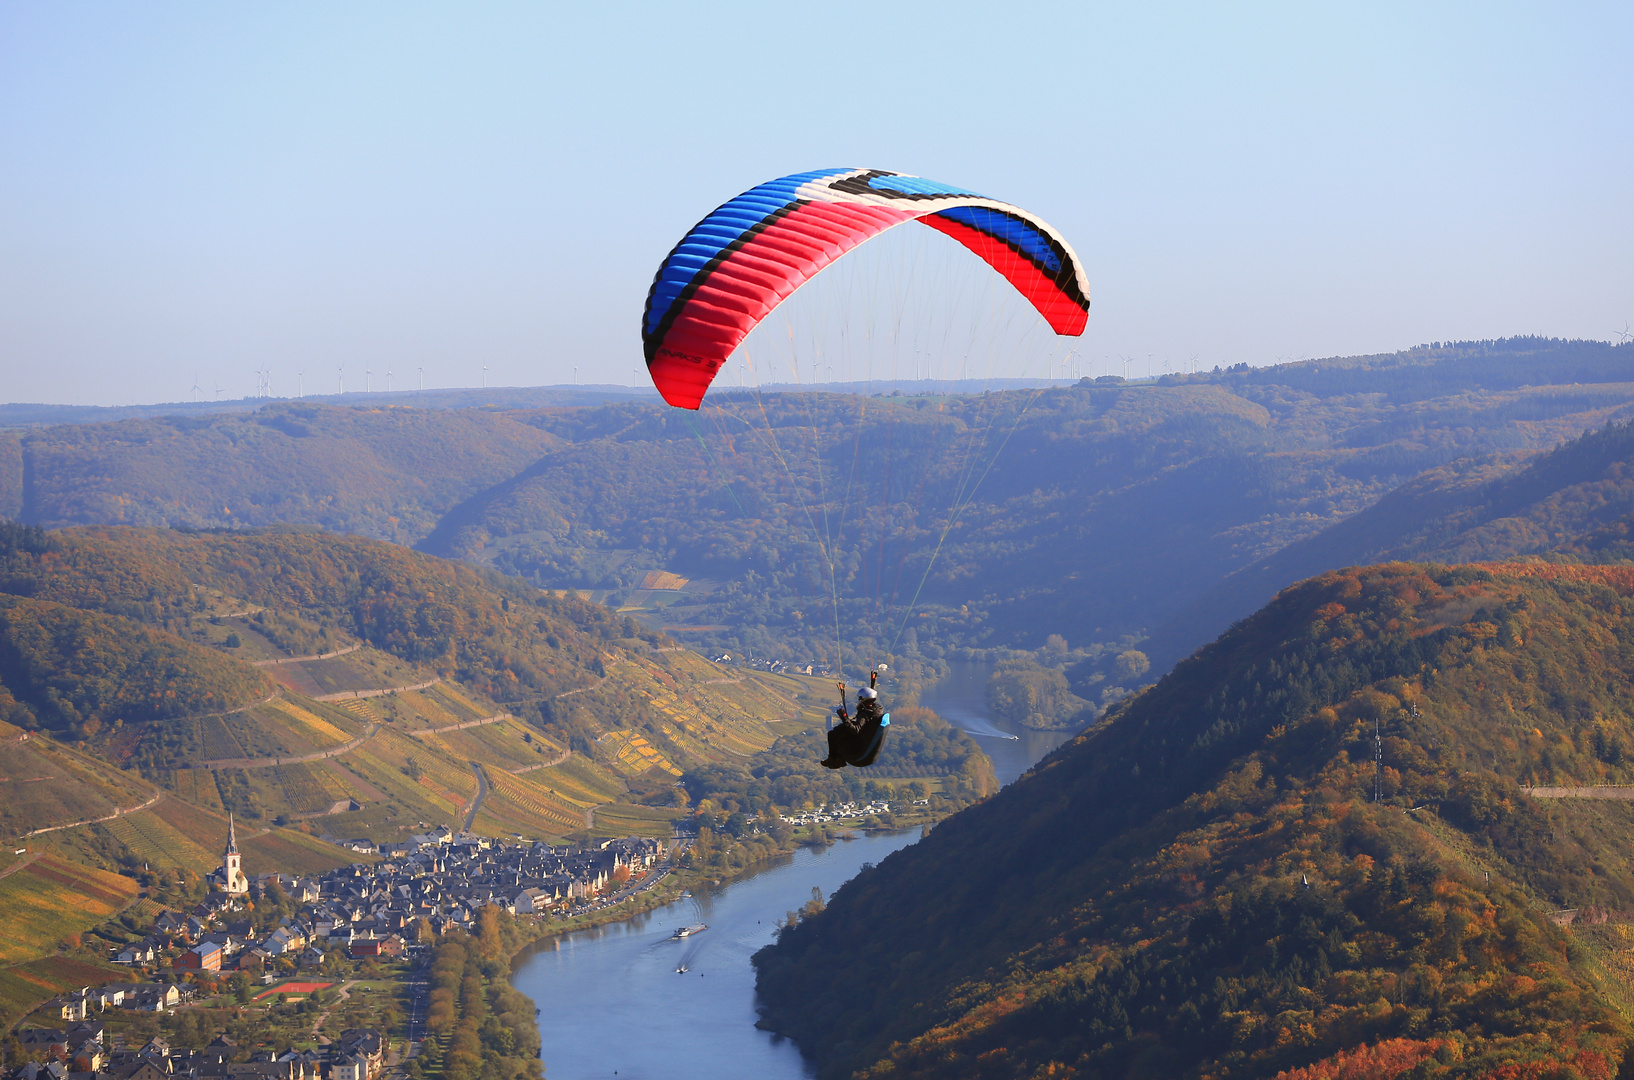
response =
{"points": [[975, 725]]}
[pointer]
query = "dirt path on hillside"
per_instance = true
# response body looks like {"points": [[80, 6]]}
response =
{"points": [[557, 760], [271, 762], [358, 695], [304, 659], [20, 863], [96, 821], [482, 793], [1592, 791], [345, 992]]}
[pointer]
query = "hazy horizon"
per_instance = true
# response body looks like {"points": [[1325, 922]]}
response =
{"points": [[194, 194]]}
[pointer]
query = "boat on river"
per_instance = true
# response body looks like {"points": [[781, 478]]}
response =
{"points": [[688, 931]]}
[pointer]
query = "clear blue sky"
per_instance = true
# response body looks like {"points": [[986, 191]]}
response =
{"points": [[213, 188]]}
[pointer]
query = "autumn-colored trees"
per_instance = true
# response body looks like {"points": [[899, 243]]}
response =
{"points": [[1307, 848]]}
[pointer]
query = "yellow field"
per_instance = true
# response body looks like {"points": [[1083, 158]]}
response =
{"points": [[636, 755], [51, 898], [319, 730]]}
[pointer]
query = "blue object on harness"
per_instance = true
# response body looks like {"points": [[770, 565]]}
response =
{"points": [[875, 741]]}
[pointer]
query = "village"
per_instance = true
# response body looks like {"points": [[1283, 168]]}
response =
{"points": [[80, 1052], [369, 913], [847, 811]]}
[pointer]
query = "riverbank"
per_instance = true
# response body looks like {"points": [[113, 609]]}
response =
{"points": [[596, 986]]}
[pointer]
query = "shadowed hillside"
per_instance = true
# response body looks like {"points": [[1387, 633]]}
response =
{"points": [[1220, 880], [383, 472], [1574, 502]]}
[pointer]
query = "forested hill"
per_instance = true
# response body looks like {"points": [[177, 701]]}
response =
{"points": [[1219, 880], [384, 472], [1574, 503], [815, 524]]}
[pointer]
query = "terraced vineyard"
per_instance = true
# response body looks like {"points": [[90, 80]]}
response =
{"points": [[321, 732], [532, 800], [43, 783], [306, 791], [24, 985], [579, 780], [50, 898], [160, 844], [197, 786], [205, 828], [635, 755], [637, 820], [424, 708], [293, 852], [456, 703], [217, 740]]}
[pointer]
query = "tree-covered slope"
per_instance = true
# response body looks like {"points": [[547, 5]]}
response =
{"points": [[818, 523], [380, 471], [75, 672], [1205, 884]]}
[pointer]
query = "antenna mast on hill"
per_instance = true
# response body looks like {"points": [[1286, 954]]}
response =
{"points": [[1378, 762]]}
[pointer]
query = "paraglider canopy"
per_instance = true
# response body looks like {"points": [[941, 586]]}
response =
{"points": [[751, 253]]}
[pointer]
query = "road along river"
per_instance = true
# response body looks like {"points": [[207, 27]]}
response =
{"points": [[611, 1002]]}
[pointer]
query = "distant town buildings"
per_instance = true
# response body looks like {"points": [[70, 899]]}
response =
{"points": [[80, 1052], [441, 878]]}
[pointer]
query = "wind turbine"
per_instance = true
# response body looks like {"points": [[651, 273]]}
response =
{"points": [[340, 379], [218, 388], [485, 376], [298, 374], [388, 380], [422, 376], [1625, 335], [198, 391], [367, 375]]}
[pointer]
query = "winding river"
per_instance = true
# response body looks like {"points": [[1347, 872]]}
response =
{"points": [[611, 1002]]}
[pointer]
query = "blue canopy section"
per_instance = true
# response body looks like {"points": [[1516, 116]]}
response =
{"points": [[715, 233], [917, 185], [1009, 228]]}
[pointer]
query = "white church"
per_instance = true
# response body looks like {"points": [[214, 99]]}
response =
{"points": [[230, 878]]}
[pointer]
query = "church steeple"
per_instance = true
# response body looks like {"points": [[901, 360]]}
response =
{"points": [[231, 875]]}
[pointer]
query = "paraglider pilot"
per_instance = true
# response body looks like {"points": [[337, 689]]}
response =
{"points": [[856, 740]]}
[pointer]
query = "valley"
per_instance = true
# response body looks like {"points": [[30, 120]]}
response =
{"points": [[1335, 655]]}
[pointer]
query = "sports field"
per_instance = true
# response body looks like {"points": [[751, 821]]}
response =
{"points": [[294, 988]]}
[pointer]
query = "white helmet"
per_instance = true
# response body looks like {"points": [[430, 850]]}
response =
{"points": [[867, 693]]}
